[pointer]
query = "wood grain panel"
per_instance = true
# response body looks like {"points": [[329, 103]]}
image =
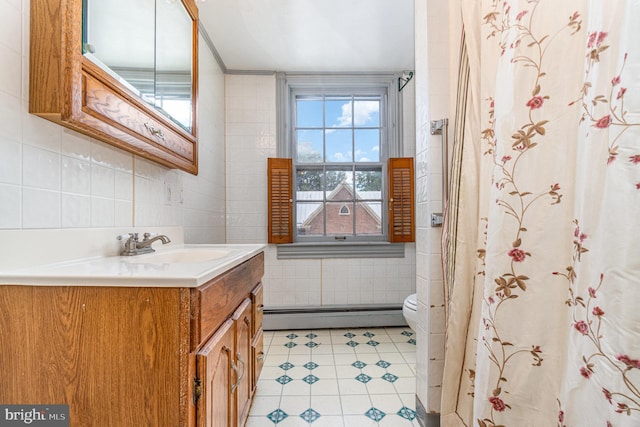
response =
{"points": [[115, 355], [280, 200], [216, 300], [214, 360], [401, 200]]}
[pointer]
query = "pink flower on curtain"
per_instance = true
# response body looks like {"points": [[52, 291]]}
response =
{"points": [[586, 372], [518, 255], [604, 122], [561, 417], [638, 186], [596, 38], [635, 159], [621, 92], [631, 363], [497, 403], [521, 14], [615, 80], [607, 395], [535, 102], [597, 311], [592, 292], [505, 159], [582, 327]]}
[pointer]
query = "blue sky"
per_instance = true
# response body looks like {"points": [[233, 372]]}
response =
{"points": [[340, 117]]}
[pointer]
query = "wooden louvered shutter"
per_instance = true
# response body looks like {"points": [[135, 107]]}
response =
{"points": [[280, 200], [401, 206]]}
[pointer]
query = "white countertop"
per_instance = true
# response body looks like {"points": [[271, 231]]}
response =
{"points": [[178, 266]]}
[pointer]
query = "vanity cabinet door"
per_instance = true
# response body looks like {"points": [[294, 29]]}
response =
{"points": [[257, 358], [243, 324], [214, 362]]}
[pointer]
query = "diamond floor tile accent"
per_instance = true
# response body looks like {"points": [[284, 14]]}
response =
{"points": [[407, 413], [375, 414], [310, 379], [277, 416], [285, 379], [328, 383], [389, 377], [363, 378], [310, 415], [412, 341], [311, 365]]}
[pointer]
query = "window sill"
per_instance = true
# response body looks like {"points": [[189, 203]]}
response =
{"points": [[340, 250]]}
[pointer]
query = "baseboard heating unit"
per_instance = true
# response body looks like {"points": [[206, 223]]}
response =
{"points": [[339, 316]]}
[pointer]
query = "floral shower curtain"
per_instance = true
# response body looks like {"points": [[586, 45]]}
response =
{"points": [[544, 295]]}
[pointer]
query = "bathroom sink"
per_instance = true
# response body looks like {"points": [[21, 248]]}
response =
{"points": [[181, 256]]}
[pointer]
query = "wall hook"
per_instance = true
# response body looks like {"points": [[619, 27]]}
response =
{"points": [[402, 80]]}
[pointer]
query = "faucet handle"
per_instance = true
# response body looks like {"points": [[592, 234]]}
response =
{"points": [[128, 236]]}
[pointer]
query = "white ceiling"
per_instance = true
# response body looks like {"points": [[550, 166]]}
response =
{"points": [[311, 35]]}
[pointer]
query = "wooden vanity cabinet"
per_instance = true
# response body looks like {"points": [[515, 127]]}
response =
{"points": [[133, 356]]}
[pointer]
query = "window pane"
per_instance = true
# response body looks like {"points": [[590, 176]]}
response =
{"points": [[309, 146], [366, 112], [309, 219], [337, 223], [308, 112], [339, 145], [338, 112], [309, 184], [339, 184], [368, 218], [369, 184], [367, 143]]}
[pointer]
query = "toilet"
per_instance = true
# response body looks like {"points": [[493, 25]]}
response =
{"points": [[409, 311]]}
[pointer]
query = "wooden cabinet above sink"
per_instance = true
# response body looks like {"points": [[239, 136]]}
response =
{"points": [[69, 88]]}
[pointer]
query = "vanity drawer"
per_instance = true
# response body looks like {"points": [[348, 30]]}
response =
{"points": [[216, 300], [112, 108]]}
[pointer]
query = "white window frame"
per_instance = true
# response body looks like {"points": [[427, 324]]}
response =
{"points": [[287, 85]]}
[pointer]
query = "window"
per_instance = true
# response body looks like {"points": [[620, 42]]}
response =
{"points": [[338, 134], [338, 158]]}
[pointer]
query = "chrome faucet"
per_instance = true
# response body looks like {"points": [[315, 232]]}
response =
{"points": [[133, 246]]}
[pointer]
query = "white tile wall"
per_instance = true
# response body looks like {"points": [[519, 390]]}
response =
{"points": [[251, 139], [51, 177], [432, 103]]}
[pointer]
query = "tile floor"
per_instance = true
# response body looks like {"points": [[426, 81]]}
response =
{"points": [[337, 378]]}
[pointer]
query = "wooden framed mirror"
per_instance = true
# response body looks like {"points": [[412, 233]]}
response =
{"points": [[79, 77]]}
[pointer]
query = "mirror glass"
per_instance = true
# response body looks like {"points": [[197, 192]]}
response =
{"points": [[146, 45]]}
